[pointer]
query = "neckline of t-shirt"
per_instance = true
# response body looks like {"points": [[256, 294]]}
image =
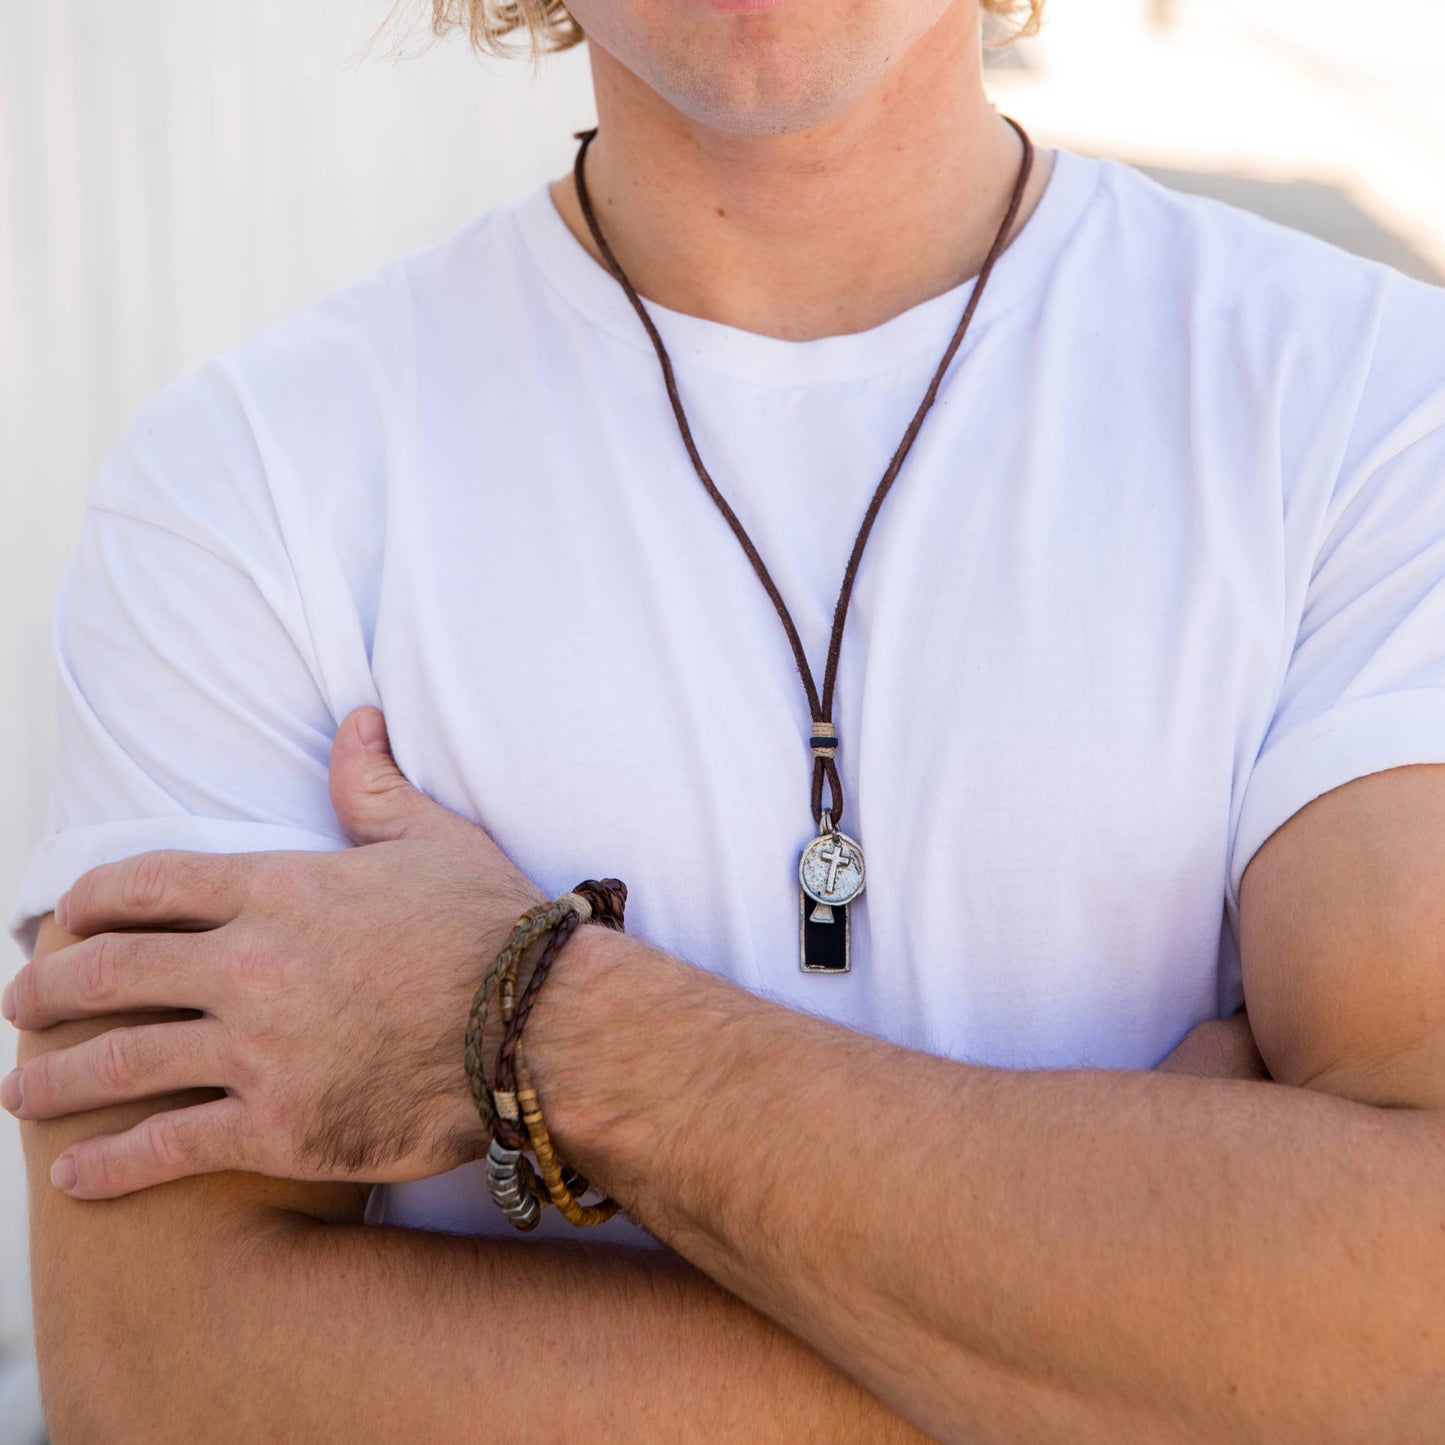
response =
{"points": [[694, 340]]}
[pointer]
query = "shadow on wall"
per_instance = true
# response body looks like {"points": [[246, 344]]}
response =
{"points": [[1325, 211]]}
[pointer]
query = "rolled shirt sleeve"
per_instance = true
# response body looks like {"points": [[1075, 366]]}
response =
{"points": [[1364, 687], [191, 710]]}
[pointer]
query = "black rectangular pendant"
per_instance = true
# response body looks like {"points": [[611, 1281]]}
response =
{"points": [[823, 946]]}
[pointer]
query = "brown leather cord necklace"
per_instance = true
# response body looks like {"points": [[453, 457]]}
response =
{"points": [[830, 868]]}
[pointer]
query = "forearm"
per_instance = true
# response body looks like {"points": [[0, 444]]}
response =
{"points": [[1072, 1256], [233, 1308], [441, 1334]]}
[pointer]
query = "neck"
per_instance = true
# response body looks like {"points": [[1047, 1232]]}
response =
{"points": [[826, 231]]}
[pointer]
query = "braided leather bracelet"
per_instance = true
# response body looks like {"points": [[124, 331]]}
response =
{"points": [[511, 1111]]}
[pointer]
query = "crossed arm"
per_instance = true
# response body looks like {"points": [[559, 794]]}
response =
{"points": [[232, 1307], [1067, 1256]]}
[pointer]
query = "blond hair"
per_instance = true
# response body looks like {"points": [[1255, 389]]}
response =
{"points": [[548, 25]]}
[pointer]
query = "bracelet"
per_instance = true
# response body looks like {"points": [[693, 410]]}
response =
{"points": [[528, 928], [511, 1111]]}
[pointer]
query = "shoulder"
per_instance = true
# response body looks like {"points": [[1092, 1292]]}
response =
{"points": [[1233, 264], [1244, 259], [310, 411], [1322, 341], [371, 337]]}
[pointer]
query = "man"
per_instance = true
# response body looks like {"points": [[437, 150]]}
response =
{"points": [[1140, 713]]}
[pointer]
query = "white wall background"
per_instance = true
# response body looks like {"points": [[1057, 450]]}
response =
{"points": [[175, 174]]}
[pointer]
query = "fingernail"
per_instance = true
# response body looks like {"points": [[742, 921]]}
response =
{"points": [[62, 910], [372, 728], [12, 1090], [7, 1001], [63, 1173]]}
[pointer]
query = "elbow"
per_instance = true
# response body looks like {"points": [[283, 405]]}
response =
{"points": [[91, 1389], [140, 1326], [121, 1366]]}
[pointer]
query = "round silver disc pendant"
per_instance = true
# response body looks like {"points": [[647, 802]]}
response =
{"points": [[831, 869]]}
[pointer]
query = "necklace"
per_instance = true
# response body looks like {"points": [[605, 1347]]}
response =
{"points": [[830, 866]]}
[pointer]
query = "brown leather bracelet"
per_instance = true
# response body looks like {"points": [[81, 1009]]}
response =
{"points": [[607, 899], [510, 1110]]}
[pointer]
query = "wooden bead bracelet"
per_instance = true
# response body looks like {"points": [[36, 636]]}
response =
{"points": [[510, 1110]]}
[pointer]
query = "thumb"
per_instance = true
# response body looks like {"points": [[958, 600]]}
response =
{"points": [[372, 797]]}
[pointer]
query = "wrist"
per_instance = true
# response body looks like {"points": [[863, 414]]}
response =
{"points": [[580, 1042]]}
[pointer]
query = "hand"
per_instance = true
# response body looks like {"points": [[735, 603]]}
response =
{"points": [[1218, 1049], [333, 991]]}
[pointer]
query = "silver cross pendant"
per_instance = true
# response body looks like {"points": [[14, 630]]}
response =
{"points": [[830, 870]]}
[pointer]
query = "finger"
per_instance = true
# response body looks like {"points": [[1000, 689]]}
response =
{"points": [[166, 886], [374, 801], [120, 1065], [200, 1139], [116, 973], [1246, 1061], [1217, 1049]]}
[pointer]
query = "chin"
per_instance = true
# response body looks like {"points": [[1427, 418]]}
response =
{"points": [[744, 68], [756, 101]]}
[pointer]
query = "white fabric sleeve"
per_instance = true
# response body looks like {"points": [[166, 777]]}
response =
{"points": [[1364, 689], [190, 712]]}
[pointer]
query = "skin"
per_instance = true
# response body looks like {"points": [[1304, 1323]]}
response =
{"points": [[218, 1307], [159, 1312], [758, 169], [1172, 1291]]}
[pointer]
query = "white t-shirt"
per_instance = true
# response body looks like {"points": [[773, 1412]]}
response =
{"points": [[1167, 562]]}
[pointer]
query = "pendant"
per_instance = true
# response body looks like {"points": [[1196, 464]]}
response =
{"points": [[831, 875]]}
